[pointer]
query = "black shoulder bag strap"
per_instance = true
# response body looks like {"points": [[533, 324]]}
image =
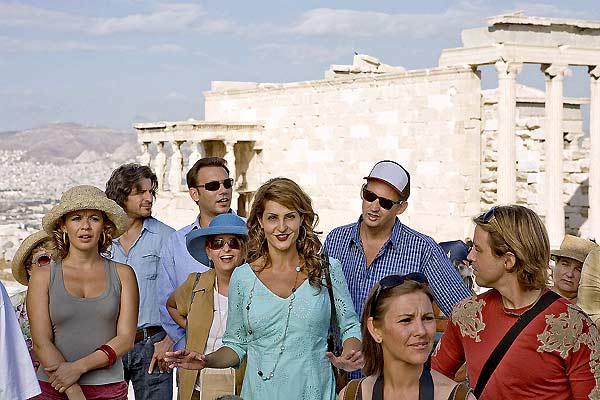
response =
{"points": [[425, 386], [331, 345], [490, 365]]}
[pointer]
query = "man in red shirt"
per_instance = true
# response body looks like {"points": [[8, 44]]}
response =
{"points": [[556, 355]]}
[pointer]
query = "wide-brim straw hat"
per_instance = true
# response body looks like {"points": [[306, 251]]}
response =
{"points": [[86, 197], [588, 295], [222, 224], [19, 269], [575, 248]]}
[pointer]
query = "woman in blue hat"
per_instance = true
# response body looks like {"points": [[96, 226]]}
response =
{"points": [[279, 308], [200, 304]]}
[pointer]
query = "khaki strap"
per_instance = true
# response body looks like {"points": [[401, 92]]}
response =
{"points": [[460, 392], [352, 389]]}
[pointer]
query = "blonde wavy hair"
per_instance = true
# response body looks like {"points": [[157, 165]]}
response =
{"points": [[287, 193], [104, 244], [519, 230]]}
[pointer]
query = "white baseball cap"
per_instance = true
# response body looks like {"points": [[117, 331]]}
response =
{"points": [[393, 174]]}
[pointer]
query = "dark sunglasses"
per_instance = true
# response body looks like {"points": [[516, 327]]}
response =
{"points": [[391, 281], [383, 201], [218, 243], [42, 259], [213, 186], [489, 215]]}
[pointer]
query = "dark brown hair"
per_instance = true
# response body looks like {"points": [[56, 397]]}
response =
{"points": [[125, 178], [192, 174], [519, 230], [372, 351], [287, 193]]}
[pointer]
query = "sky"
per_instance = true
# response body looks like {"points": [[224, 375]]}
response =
{"points": [[114, 63]]}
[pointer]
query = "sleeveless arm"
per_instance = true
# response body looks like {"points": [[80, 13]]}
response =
{"points": [[178, 304]]}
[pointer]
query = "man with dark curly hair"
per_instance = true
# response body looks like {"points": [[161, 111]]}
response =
{"points": [[133, 187]]}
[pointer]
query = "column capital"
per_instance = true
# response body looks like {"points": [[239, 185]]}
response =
{"points": [[508, 69], [594, 71], [555, 70]]}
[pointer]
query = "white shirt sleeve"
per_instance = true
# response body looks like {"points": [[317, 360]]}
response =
{"points": [[17, 376]]}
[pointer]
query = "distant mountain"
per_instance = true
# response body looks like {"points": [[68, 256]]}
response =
{"points": [[64, 142]]}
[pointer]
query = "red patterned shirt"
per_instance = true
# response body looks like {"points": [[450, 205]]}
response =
{"points": [[556, 356]]}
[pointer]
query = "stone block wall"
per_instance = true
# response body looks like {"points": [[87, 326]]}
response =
{"points": [[327, 134], [531, 158]]}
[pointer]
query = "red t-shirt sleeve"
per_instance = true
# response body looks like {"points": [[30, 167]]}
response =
{"points": [[581, 364], [449, 354]]}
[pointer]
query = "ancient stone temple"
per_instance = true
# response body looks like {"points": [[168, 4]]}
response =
{"points": [[466, 148]]}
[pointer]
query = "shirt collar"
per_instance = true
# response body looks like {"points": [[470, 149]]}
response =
{"points": [[394, 237], [196, 224], [150, 224]]}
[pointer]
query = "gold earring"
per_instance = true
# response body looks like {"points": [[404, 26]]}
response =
{"points": [[65, 238]]}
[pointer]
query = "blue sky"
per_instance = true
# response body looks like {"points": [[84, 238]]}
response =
{"points": [[113, 63]]}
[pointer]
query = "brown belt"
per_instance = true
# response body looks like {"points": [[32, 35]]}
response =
{"points": [[145, 333]]}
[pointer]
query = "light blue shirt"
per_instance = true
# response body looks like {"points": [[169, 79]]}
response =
{"points": [[144, 258], [176, 264]]}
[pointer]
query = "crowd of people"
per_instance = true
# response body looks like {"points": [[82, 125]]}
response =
{"points": [[262, 309]]}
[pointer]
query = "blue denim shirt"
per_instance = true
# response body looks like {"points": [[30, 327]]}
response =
{"points": [[176, 264], [144, 258], [405, 251]]}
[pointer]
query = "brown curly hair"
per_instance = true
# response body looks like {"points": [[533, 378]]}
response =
{"points": [[287, 193], [519, 230], [104, 243]]}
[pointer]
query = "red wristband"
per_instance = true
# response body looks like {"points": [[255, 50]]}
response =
{"points": [[110, 353]]}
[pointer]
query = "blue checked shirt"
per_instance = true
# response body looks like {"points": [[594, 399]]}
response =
{"points": [[405, 251]]}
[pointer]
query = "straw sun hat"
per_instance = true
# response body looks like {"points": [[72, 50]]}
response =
{"points": [[86, 197], [19, 269], [575, 248]]}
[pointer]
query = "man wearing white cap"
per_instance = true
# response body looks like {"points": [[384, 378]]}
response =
{"points": [[378, 244], [568, 262]]}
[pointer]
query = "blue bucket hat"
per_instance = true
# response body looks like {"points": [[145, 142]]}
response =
{"points": [[222, 224], [456, 250]]}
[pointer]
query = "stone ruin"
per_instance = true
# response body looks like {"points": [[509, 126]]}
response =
{"points": [[466, 148]]}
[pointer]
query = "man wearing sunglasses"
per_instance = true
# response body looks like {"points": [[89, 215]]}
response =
{"points": [[210, 187], [378, 244], [133, 187]]}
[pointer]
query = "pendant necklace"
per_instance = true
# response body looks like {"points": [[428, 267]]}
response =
{"points": [[266, 377]]}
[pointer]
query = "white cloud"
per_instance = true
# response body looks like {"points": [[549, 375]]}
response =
{"points": [[8, 44], [175, 96], [304, 53], [166, 48], [165, 18], [367, 24]]}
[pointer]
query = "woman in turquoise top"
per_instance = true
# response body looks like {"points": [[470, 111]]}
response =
{"points": [[279, 309]]}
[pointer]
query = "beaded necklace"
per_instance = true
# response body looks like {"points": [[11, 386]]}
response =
{"points": [[266, 377]]}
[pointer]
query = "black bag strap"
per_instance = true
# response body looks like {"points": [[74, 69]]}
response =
{"points": [[425, 386], [490, 365], [333, 322]]}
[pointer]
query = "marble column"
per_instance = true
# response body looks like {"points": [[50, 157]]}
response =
{"points": [[176, 168], [594, 181], [196, 154], [145, 156], [230, 158], [555, 212], [159, 165], [507, 159]]}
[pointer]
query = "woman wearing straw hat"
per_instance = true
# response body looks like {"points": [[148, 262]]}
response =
{"points": [[83, 309], [201, 303], [568, 261], [37, 250]]}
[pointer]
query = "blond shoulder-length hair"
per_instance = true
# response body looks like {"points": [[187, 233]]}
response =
{"points": [[519, 230]]}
